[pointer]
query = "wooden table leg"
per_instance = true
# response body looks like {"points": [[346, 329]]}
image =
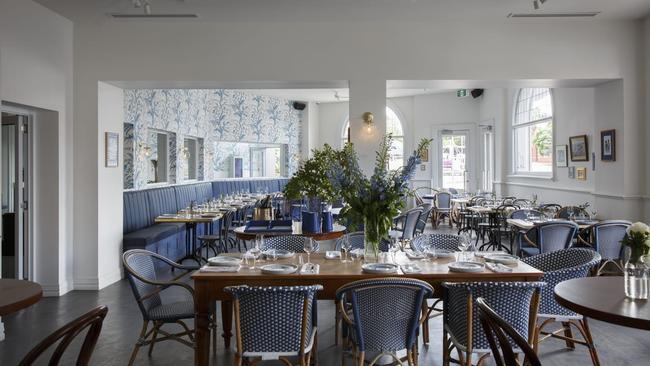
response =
{"points": [[202, 324], [226, 320]]}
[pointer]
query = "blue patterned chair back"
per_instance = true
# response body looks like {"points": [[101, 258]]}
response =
{"points": [[554, 235], [424, 218], [563, 213], [522, 202], [607, 236], [294, 243], [140, 263], [511, 300], [356, 238], [521, 214], [440, 241], [411, 221], [560, 266], [385, 311], [443, 200], [271, 318], [453, 191]]}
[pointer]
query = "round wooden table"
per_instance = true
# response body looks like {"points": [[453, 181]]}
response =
{"points": [[338, 231], [603, 298], [18, 294]]}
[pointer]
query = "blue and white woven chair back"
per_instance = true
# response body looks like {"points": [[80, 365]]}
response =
{"points": [[412, 217], [563, 213], [271, 318], [552, 236], [438, 241], [521, 214], [424, 218], [294, 243], [356, 238], [511, 300], [561, 266], [607, 237], [141, 263], [385, 311], [443, 200]]}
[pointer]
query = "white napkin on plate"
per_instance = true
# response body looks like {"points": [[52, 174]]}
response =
{"points": [[414, 255], [220, 269], [333, 254], [497, 267], [309, 268]]}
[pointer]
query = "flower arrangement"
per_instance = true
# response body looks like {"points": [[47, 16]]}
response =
{"points": [[374, 201], [311, 179], [637, 238]]}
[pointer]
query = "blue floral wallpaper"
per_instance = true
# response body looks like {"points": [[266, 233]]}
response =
{"points": [[214, 115]]}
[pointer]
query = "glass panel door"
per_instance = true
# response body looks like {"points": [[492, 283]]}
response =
{"points": [[455, 172]]}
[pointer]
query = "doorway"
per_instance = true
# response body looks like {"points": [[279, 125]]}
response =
{"points": [[15, 184], [454, 154]]}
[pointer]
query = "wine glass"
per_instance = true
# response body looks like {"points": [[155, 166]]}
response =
{"points": [[309, 247], [463, 244], [254, 253], [346, 245], [261, 243], [393, 249]]}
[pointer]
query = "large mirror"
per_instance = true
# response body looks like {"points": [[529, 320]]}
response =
{"points": [[250, 160], [191, 158], [158, 157]]}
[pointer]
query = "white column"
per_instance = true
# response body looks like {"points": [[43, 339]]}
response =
{"points": [[367, 96]]}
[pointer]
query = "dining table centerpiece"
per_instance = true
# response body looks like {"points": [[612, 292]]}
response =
{"points": [[373, 202], [637, 245]]}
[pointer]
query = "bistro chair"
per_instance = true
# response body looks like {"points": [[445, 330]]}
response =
{"points": [[548, 237], [605, 238], [550, 209], [567, 212], [516, 302], [275, 322], [501, 337], [65, 335], [383, 316], [561, 266], [522, 202], [409, 221], [423, 219], [356, 238], [294, 243], [147, 289], [442, 208]]}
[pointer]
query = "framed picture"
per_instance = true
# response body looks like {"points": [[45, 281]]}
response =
{"points": [[581, 173], [579, 148], [608, 145], [572, 172], [561, 160], [424, 156], [112, 149]]}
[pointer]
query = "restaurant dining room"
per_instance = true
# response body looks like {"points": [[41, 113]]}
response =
{"points": [[274, 182]]}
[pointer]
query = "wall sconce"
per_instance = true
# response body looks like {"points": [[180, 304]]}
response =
{"points": [[368, 118], [145, 150], [185, 152]]}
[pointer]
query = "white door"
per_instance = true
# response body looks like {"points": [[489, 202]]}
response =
{"points": [[455, 162]]}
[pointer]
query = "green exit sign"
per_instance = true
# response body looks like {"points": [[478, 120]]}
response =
{"points": [[461, 93]]}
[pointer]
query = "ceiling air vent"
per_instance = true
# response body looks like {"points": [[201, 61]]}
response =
{"points": [[588, 14], [152, 16]]}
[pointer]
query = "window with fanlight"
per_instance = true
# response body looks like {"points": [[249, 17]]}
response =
{"points": [[394, 127], [532, 132]]}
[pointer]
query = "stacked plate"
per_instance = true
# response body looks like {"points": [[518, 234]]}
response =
{"points": [[501, 258], [444, 253], [224, 261], [379, 268], [279, 269], [279, 253], [466, 267]]}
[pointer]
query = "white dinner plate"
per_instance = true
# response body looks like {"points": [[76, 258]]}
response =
{"points": [[444, 253], [482, 254], [224, 261], [466, 267], [501, 258], [279, 268], [332, 254], [279, 253], [411, 268], [379, 268]]}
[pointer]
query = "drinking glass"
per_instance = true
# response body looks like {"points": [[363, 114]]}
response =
{"points": [[254, 254], [427, 247], [309, 247], [346, 245], [463, 244], [260, 243], [393, 249]]}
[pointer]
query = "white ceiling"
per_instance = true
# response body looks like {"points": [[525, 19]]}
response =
{"points": [[346, 10], [330, 95]]}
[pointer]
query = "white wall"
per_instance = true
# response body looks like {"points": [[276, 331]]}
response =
{"points": [[646, 69], [36, 71]]}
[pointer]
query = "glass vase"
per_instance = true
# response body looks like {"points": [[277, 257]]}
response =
{"points": [[372, 238], [636, 273]]}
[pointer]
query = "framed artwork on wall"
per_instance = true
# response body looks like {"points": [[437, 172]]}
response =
{"points": [[579, 148], [424, 156], [561, 160], [608, 145], [572, 172], [112, 149], [581, 173]]}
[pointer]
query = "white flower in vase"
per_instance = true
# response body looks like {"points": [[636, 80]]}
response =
{"points": [[638, 227]]}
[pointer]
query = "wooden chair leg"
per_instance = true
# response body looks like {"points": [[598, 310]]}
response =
{"points": [[156, 326], [445, 349], [590, 342], [569, 334], [425, 325], [237, 361], [361, 358], [337, 325], [139, 342]]}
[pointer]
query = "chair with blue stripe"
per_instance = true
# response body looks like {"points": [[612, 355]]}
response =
{"points": [[548, 237]]}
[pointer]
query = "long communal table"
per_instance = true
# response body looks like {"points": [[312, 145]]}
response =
{"points": [[332, 275]]}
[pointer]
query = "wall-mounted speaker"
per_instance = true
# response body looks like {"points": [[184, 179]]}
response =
{"points": [[299, 106], [476, 93]]}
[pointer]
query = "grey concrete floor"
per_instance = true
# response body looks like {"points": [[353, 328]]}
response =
{"points": [[616, 345]]}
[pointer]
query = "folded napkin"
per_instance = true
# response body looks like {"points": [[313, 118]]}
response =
{"points": [[497, 267], [333, 254], [414, 255], [220, 268], [309, 268]]}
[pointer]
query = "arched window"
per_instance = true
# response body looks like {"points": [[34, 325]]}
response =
{"points": [[394, 126], [532, 132]]}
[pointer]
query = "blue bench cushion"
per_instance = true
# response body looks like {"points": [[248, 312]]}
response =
{"points": [[204, 192], [162, 201], [185, 195], [150, 235], [136, 211]]}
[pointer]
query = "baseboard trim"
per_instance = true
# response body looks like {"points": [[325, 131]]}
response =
{"points": [[110, 279], [84, 284], [55, 290]]}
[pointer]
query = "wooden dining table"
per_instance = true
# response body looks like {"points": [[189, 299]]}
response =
{"points": [[332, 275], [191, 222], [337, 232], [527, 224]]}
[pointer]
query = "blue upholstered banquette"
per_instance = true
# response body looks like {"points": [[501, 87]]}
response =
{"points": [[168, 239]]}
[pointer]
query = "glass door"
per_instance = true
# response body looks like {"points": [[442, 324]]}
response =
{"points": [[455, 172]]}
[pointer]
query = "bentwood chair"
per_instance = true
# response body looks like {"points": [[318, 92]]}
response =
{"points": [[501, 337], [383, 316], [605, 238], [423, 219], [294, 243], [561, 266], [65, 335], [409, 221], [548, 237], [550, 209], [273, 323], [567, 211], [148, 290], [516, 302], [442, 208]]}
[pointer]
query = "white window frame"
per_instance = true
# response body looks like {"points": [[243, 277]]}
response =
{"points": [[513, 151]]}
